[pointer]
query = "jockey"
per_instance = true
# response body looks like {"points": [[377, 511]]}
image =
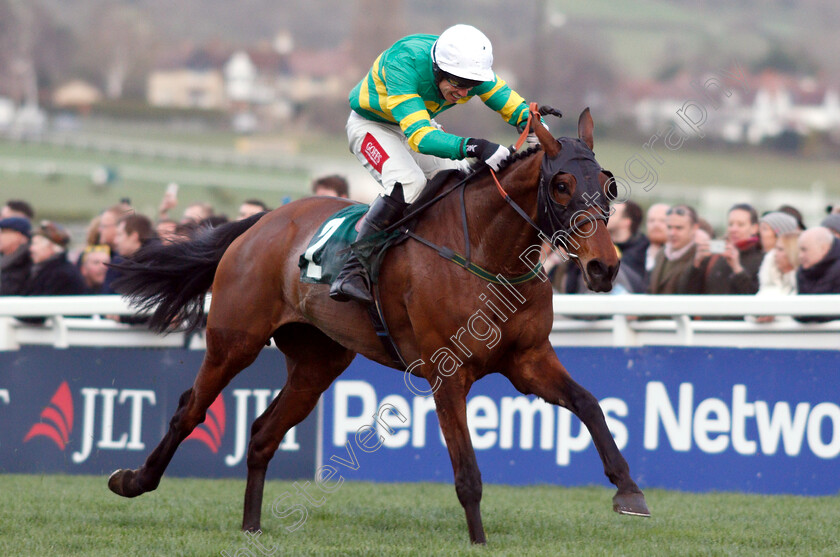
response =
{"points": [[392, 133]]}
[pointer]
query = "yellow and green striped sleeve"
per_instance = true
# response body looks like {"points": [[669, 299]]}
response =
{"points": [[415, 122], [504, 100]]}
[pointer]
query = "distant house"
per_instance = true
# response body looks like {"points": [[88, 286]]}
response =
{"points": [[193, 82], [186, 89], [783, 104], [77, 94], [241, 75], [320, 74], [773, 104], [266, 82]]}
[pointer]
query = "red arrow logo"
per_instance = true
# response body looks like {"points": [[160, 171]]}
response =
{"points": [[56, 418], [213, 429]]}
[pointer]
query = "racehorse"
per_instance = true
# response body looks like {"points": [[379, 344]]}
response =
{"points": [[251, 266]]}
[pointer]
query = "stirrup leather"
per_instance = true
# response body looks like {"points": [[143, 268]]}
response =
{"points": [[353, 282]]}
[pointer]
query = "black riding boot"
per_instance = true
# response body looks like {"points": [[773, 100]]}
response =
{"points": [[352, 283]]}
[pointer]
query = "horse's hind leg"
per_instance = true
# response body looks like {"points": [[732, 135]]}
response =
{"points": [[539, 372], [313, 361], [228, 353]]}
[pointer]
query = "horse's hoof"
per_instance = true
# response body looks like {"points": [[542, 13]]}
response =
{"points": [[120, 483], [632, 504]]}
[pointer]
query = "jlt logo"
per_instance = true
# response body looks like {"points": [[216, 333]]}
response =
{"points": [[130, 440], [261, 400], [211, 432], [102, 406]]}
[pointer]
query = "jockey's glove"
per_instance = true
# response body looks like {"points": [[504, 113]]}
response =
{"points": [[491, 154]]}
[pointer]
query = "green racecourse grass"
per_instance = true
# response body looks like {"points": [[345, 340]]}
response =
{"points": [[77, 515], [68, 195]]}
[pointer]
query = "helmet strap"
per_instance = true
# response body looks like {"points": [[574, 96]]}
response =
{"points": [[439, 74]]}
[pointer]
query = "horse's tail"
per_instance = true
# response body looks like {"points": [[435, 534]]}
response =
{"points": [[171, 280]]}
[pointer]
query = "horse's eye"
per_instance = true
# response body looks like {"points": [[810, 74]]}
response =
{"points": [[561, 187]]}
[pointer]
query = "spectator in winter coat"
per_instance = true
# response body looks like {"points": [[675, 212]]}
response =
{"points": [[623, 227], [777, 274], [93, 264], [735, 271], [52, 273], [819, 273], [657, 232], [675, 261], [15, 262]]}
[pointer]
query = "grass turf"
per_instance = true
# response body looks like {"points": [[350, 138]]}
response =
{"points": [[77, 515]]}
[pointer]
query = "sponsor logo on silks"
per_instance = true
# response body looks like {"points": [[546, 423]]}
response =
{"points": [[57, 419], [373, 152], [213, 429]]}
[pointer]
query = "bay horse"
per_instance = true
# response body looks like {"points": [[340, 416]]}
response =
{"points": [[252, 268]]}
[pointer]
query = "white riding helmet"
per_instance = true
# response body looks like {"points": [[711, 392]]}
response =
{"points": [[464, 51]]}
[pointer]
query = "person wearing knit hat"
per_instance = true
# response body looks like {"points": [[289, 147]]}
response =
{"points": [[776, 228], [772, 225], [52, 273], [15, 263], [832, 222], [18, 224], [54, 233]]}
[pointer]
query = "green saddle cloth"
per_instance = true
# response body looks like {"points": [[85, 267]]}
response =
{"points": [[328, 248]]}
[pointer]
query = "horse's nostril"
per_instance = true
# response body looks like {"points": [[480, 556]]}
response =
{"points": [[596, 269]]}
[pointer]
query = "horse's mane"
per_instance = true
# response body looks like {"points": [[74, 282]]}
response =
{"points": [[436, 184], [520, 155]]}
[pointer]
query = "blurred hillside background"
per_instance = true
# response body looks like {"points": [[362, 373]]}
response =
{"points": [[101, 100]]}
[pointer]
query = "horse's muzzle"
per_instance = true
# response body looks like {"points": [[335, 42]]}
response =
{"points": [[599, 276]]}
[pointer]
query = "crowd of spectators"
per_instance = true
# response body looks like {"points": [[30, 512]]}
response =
{"points": [[36, 258], [675, 251], [667, 250]]}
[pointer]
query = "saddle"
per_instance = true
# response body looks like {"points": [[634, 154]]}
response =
{"points": [[332, 243]]}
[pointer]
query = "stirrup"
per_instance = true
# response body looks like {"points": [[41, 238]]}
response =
{"points": [[353, 282]]}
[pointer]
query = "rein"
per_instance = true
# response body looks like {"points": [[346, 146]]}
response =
{"points": [[502, 192], [375, 310], [463, 260]]}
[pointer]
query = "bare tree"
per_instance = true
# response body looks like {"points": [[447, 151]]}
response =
{"points": [[119, 41]]}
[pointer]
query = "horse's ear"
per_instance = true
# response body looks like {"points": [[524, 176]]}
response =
{"points": [[586, 128], [550, 145]]}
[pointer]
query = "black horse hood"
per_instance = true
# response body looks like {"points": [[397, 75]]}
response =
{"points": [[577, 159]]}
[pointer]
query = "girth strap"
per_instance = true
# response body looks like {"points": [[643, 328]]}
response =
{"points": [[381, 328]]}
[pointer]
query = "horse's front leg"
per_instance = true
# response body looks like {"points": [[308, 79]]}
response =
{"points": [[451, 406], [538, 371]]}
